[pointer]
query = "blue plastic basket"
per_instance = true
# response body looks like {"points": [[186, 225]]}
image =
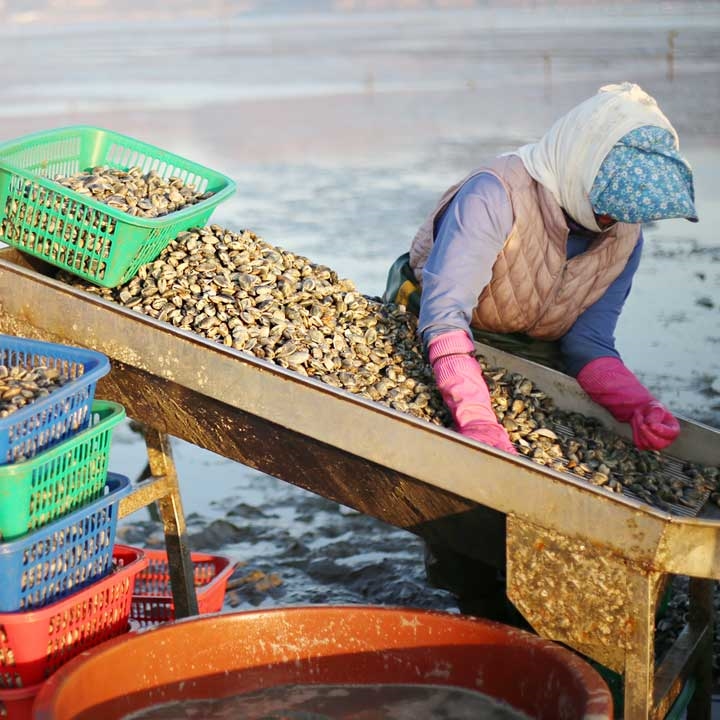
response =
{"points": [[62, 557], [65, 411]]}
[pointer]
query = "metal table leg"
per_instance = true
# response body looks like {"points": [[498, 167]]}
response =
{"points": [[611, 616], [163, 488], [701, 619], [639, 675], [690, 657]]}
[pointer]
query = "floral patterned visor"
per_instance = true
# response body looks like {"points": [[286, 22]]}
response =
{"points": [[644, 178]]}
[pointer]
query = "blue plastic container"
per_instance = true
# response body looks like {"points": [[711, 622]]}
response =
{"points": [[64, 556], [65, 411]]}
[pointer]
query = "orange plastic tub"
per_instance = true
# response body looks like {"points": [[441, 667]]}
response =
{"points": [[226, 654]]}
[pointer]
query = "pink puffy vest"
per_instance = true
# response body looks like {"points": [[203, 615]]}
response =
{"points": [[534, 288]]}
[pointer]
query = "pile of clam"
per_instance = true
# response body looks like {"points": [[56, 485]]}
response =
{"points": [[238, 290], [138, 193], [571, 442], [20, 386]]}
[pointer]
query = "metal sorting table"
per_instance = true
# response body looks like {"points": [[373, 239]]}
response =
{"points": [[584, 566]]}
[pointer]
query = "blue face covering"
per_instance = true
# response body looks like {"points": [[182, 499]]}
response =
{"points": [[644, 178]]}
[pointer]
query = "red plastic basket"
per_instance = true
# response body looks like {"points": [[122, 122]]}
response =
{"points": [[18, 704], [34, 644], [152, 601]]}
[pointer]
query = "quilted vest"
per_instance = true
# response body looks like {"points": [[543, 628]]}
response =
{"points": [[534, 288]]}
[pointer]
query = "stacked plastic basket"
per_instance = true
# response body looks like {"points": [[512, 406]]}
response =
{"points": [[65, 585], [152, 601]]}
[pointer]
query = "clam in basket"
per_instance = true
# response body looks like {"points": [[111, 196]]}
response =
{"points": [[59, 480], [77, 232], [48, 564], [46, 421]]}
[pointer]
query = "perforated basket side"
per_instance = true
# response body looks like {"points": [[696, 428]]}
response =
{"points": [[60, 558], [58, 480], [46, 154], [18, 704], [67, 150], [65, 411], [35, 644], [152, 596], [122, 152], [49, 222]]}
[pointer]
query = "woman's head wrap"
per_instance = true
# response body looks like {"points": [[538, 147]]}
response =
{"points": [[569, 160], [644, 178]]}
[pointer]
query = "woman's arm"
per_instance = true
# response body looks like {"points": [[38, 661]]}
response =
{"points": [[592, 358], [593, 333], [468, 238]]}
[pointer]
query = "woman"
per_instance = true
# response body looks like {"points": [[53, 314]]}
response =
{"points": [[535, 252]]}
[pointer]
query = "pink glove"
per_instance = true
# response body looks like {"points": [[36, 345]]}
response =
{"points": [[462, 386], [610, 384]]}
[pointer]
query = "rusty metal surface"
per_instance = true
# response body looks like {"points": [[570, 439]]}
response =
{"points": [[570, 589], [350, 426], [180, 566], [604, 607], [161, 487]]}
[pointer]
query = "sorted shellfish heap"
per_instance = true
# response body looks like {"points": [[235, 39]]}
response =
{"points": [[572, 442], [20, 386], [57, 226], [138, 193], [238, 290]]}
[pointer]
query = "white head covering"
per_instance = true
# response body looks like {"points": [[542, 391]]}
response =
{"points": [[567, 158]]}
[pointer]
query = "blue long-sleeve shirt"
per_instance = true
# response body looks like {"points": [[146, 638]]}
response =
{"points": [[468, 238]]}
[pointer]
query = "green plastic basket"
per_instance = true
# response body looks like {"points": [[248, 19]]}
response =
{"points": [[78, 233], [60, 480]]}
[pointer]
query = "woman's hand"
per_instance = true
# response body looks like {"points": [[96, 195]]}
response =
{"points": [[463, 388], [611, 384], [654, 426]]}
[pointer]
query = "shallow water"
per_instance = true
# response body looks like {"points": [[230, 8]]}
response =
{"points": [[341, 702], [341, 129]]}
